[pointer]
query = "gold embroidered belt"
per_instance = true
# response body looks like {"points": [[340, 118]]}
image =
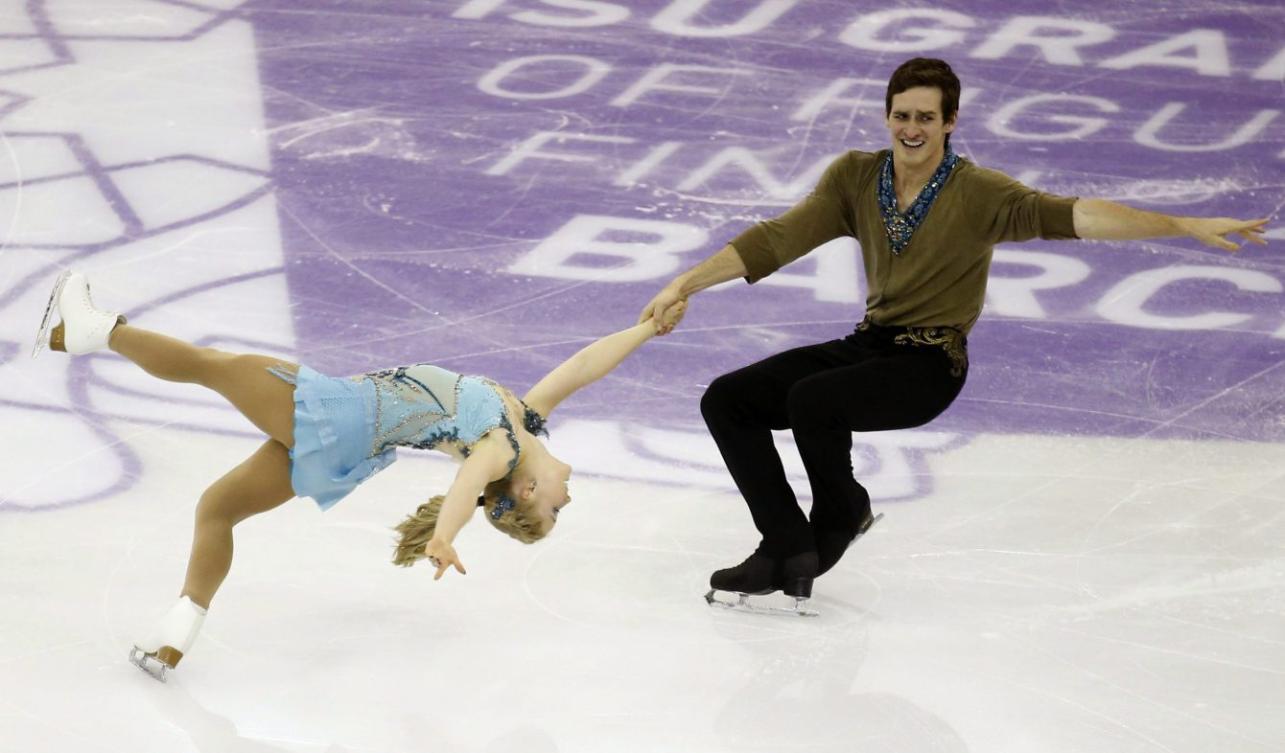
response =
{"points": [[949, 339]]}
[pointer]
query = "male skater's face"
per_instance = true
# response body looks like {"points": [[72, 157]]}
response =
{"points": [[918, 132]]}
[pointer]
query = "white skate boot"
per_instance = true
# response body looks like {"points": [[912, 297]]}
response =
{"points": [[171, 638], [83, 328]]}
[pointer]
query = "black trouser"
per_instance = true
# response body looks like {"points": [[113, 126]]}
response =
{"points": [[823, 393]]}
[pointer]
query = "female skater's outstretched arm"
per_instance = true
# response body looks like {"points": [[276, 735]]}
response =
{"points": [[488, 461], [590, 364], [535, 490]]}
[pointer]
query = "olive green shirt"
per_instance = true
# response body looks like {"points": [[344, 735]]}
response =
{"points": [[939, 280]]}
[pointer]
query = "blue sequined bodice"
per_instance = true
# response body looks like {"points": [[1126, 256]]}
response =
{"points": [[422, 406]]}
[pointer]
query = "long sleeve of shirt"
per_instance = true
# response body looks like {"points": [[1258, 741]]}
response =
{"points": [[939, 279]]}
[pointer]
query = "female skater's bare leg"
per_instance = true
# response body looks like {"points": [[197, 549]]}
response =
{"points": [[268, 402], [261, 482], [241, 379], [257, 485]]}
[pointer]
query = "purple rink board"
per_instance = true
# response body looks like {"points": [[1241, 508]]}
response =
{"points": [[486, 185]]}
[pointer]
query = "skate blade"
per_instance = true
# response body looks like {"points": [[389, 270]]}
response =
{"points": [[873, 520], [42, 335], [716, 598], [149, 664]]}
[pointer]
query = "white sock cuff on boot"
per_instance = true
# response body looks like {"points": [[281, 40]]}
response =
{"points": [[178, 628]]}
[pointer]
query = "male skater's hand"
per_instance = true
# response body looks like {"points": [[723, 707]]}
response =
{"points": [[1214, 231], [442, 556]]}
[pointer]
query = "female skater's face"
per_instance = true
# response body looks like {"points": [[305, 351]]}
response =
{"points": [[546, 489], [918, 132]]}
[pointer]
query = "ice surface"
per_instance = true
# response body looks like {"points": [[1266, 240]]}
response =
{"points": [[1083, 554]]}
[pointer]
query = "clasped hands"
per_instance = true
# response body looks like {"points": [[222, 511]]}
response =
{"points": [[666, 310]]}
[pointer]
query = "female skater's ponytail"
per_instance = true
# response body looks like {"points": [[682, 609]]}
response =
{"points": [[415, 531]]}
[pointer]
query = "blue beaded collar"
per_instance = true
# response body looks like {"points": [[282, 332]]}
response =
{"points": [[900, 227]]}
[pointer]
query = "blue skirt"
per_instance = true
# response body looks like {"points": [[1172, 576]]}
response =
{"points": [[334, 428]]}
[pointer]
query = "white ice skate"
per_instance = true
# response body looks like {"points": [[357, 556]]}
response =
{"points": [[170, 640], [799, 591], [82, 327]]}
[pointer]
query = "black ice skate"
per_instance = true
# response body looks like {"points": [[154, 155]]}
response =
{"points": [[831, 544], [760, 575]]}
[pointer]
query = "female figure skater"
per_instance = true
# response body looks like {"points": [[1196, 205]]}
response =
{"points": [[326, 435]]}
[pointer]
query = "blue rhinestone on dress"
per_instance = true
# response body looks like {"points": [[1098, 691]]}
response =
{"points": [[900, 227], [533, 422]]}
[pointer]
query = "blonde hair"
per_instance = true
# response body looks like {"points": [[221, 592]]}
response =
{"points": [[416, 530]]}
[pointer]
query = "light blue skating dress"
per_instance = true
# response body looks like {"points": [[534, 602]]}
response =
{"points": [[346, 428]]}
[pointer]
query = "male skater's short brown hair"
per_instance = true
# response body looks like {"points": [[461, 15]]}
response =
{"points": [[926, 72]]}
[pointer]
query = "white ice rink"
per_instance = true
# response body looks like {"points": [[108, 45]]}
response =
{"points": [[1024, 593]]}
